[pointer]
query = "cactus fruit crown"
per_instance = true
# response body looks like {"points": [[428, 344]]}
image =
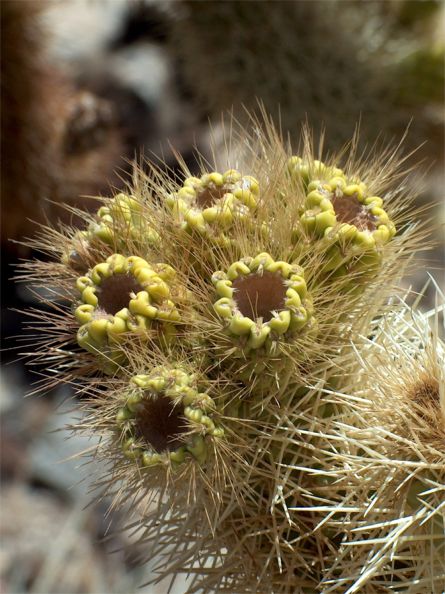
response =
{"points": [[165, 417], [341, 208], [118, 223], [121, 296], [212, 204], [214, 323], [262, 299]]}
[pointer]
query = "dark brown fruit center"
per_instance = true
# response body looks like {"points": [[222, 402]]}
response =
{"points": [[210, 195], [258, 295], [114, 292], [349, 209], [160, 424]]}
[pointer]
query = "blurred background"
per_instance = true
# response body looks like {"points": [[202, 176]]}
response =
{"points": [[89, 85]]}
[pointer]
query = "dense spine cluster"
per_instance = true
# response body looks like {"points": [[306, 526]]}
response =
{"points": [[226, 332]]}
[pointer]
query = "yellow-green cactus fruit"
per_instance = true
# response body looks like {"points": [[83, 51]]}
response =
{"points": [[120, 221], [305, 171], [166, 419], [122, 296], [352, 223], [262, 301], [212, 204]]}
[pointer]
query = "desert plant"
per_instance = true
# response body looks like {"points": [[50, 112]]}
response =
{"points": [[231, 352]]}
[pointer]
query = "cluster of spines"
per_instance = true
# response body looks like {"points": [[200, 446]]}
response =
{"points": [[399, 428]]}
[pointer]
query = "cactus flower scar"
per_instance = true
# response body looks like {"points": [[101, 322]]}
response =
{"points": [[118, 223], [120, 296], [262, 301], [121, 222], [210, 205], [166, 418], [352, 223]]}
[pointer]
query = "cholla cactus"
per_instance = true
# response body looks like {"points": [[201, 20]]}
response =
{"points": [[401, 433], [230, 375], [421, 76]]}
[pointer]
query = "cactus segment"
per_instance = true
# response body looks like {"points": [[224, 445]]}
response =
{"points": [[121, 296], [420, 76], [212, 204], [262, 301], [166, 418]]}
